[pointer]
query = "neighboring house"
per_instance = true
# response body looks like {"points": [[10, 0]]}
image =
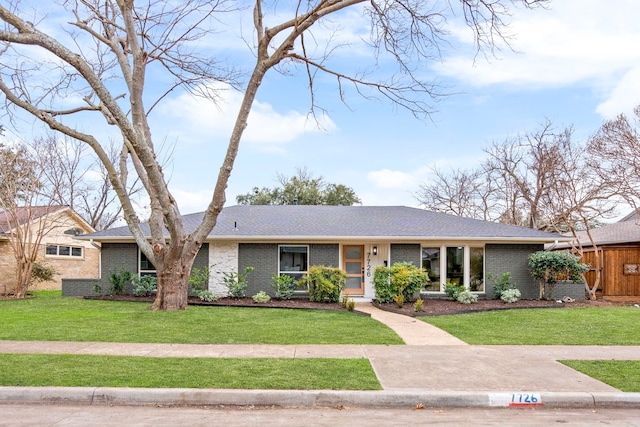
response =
{"points": [[278, 240], [619, 248], [58, 247]]}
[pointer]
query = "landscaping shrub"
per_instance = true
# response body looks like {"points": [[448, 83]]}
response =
{"points": [[261, 298], [207, 296], [549, 267], [325, 284], [199, 280], [418, 305], [510, 295], [236, 283], [42, 272], [402, 278], [283, 286], [399, 299], [119, 280], [144, 286], [452, 290], [466, 297], [502, 284]]}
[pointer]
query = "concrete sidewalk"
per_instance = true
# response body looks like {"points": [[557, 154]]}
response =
{"points": [[435, 370]]}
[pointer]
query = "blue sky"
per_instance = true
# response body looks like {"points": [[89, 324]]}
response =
{"points": [[576, 63]]}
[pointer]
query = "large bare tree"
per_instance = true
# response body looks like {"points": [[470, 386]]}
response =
{"points": [[615, 151], [110, 46]]}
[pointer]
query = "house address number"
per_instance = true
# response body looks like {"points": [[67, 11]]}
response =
{"points": [[515, 399]]}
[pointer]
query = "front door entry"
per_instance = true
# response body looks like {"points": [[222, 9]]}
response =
{"points": [[353, 265]]}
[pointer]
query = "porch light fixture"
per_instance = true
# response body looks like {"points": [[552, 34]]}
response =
{"points": [[375, 250]]}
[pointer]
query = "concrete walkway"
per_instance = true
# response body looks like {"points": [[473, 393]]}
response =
{"points": [[434, 369], [411, 330]]}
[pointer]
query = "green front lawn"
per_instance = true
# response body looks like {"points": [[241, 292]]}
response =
{"points": [[548, 326], [621, 374], [51, 317], [35, 370]]}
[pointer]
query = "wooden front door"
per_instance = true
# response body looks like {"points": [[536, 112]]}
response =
{"points": [[353, 265]]}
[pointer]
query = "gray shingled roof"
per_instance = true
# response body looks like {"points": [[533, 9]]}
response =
{"points": [[247, 222], [627, 231]]}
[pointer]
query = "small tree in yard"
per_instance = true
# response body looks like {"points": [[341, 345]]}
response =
{"points": [[67, 61], [550, 267]]}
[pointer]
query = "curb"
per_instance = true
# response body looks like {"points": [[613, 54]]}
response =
{"points": [[415, 399]]}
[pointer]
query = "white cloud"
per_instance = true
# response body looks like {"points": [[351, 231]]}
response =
{"points": [[624, 97], [192, 201], [392, 187], [204, 120], [574, 41]]}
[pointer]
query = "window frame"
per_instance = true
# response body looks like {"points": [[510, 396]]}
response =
{"points": [[147, 271], [296, 274], [71, 249], [466, 263]]}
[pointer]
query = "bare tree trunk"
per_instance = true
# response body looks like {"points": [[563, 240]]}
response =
{"points": [[23, 273]]}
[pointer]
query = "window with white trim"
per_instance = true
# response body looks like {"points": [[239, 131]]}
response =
{"points": [[457, 264], [64, 251], [146, 267], [293, 260]]}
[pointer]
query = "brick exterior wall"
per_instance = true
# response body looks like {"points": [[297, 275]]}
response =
{"points": [[117, 257], [514, 259], [405, 253], [263, 257], [325, 254], [56, 226], [7, 268]]}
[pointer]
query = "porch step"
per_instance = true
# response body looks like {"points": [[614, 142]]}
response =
{"points": [[360, 299]]}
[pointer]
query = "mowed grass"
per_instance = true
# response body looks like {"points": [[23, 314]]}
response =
{"points": [[51, 317], [124, 371], [548, 326], [621, 374]]}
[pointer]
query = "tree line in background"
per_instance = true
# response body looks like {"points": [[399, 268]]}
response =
{"points": [[545, 179], [301, 189]]}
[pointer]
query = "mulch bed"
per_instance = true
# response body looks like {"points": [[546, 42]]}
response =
{"points": [[437, 307], [431, 307], [300, 303]]}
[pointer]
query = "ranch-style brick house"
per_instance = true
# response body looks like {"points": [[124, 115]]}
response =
{"points": [[58, 225], [277, 240]]}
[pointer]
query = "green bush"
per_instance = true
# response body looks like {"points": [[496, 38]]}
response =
{"points": [[119, 280], [144, 286], [261, 298], [402, 278], [502, 284], [452, 290], [466, 297], [399, 300], [207, 296], [351, 305], [42, 272], [283, 286], [548, 267], [199, 280], [418, 305], [236, 283], [510, 295], [324, 283]]}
